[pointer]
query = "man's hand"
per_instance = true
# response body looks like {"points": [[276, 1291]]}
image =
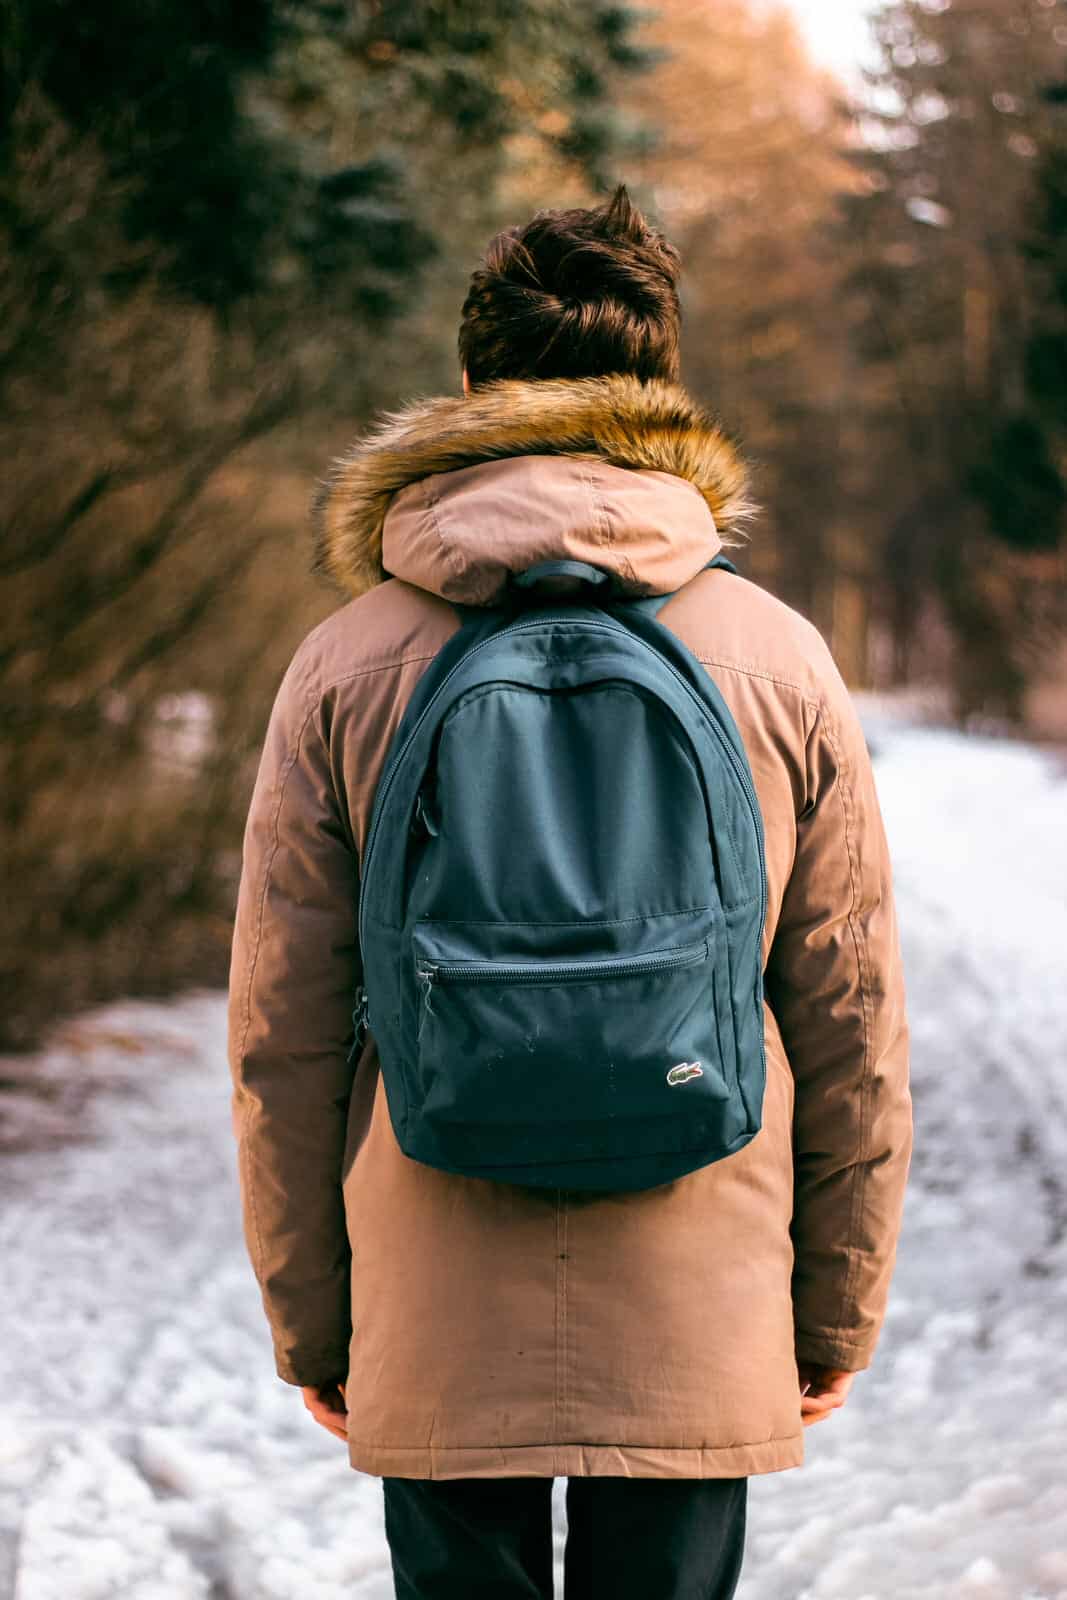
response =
{"points": [[326, 1402], [822, 1390]]}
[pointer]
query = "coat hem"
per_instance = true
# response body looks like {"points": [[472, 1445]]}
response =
{"points": [[576, 1460]]}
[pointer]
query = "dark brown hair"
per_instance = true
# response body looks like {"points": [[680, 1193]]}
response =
{"points": [[574, 294]]}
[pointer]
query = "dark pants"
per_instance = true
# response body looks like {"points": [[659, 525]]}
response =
{"points": [[491, 1538]]}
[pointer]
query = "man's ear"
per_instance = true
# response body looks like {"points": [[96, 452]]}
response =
{"points": [[466, 382]]}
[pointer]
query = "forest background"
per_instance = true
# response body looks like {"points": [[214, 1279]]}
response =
{"points": [[230, 233]]}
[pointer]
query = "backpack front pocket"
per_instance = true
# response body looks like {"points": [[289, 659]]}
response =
{"points": [[531, 1060]]}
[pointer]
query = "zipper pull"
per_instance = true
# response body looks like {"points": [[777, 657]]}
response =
{"points": [[360, 1024], [427, 976], [424, 816]]}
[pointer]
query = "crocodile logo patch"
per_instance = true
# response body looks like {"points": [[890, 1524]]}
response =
{"points": [[684, 1071]]}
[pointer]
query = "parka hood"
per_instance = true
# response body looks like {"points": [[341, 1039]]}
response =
{"points": [[452, 493]]}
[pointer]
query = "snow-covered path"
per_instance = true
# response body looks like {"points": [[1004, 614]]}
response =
{"points": [[147, 1451]]}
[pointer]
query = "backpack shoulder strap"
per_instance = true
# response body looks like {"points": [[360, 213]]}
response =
{"points": [[722, 561], [466, 613]]}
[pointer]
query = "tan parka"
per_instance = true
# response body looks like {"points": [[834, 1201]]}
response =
{"points": [[486, 1329]]}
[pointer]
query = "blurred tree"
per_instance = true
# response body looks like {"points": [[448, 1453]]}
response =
{"points": [[746, 174], [223, 230], [956, 332]]}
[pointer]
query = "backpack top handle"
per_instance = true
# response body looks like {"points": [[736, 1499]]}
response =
{"points": [[595, 581], [596, 577]]}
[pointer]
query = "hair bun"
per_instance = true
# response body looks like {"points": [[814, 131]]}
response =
{"points": [[574, 294]]}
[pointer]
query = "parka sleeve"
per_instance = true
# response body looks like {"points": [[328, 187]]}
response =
{"points": [[293, 975], [836, 986]]}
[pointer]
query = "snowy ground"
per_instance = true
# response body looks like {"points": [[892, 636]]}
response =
{"points": [[147, 1452]]}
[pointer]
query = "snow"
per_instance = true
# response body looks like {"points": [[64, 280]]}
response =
{"points": [[147, 1451]]}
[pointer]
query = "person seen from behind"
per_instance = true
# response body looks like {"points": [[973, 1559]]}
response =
{"points": [[471, 1340]]}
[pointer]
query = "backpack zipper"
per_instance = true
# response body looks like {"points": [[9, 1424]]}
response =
{"points": [[526, 972]]}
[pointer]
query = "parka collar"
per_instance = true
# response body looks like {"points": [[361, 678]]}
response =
{"points": [[453, 492]]}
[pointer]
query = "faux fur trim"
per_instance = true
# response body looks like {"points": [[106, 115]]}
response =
{"points": [[618, 419]]}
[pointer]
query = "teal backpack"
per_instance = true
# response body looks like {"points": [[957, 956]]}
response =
{"points": [[562, 901]]}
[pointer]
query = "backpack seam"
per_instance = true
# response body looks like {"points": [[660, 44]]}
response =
{"points": [[579, 922]]}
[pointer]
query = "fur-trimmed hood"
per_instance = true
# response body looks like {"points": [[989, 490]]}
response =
{"points": [[454, 492]]}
